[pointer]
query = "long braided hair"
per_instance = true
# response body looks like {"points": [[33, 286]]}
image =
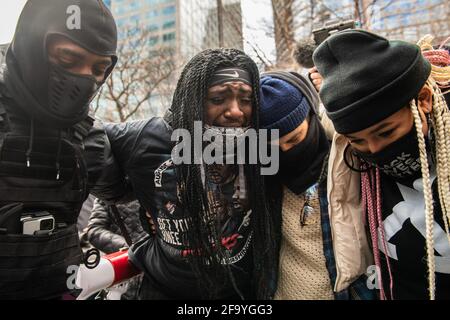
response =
{"points": [[439, 83], [203, 237], [440, 125]]}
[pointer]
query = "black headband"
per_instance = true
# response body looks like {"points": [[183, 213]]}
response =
{"points": [[225, 75]]}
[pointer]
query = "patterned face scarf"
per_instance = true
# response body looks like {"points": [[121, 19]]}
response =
{"points": [[226, 141], [400, 160]]}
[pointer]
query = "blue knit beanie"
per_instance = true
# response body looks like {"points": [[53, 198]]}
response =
{"points": [[283, 106]]}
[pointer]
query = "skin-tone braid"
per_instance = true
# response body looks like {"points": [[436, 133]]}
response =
{"points": [[428, 195]]}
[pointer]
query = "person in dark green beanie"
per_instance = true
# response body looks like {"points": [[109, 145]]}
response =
{"points": [[393, 143]]}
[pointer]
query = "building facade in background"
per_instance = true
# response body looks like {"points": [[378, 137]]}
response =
{"points": [[189, 26], [410, 20], [159, 17], [185, 27], [199, 25]]}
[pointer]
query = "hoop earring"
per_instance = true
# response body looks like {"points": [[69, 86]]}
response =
{"points": [[364, 167]]}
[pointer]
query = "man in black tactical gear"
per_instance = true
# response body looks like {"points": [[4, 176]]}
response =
{"points": [[49, 74]]}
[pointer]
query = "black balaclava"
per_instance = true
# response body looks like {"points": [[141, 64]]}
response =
{"points": [[45, 91]]}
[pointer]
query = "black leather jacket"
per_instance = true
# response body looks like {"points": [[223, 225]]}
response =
{"points": [[142, 151], [103, 230]]}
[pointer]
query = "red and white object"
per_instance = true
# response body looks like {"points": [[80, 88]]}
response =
{"points": [[112, 270]]}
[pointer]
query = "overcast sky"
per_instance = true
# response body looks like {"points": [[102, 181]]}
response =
{"points": [[8, 18], [253, 11]]}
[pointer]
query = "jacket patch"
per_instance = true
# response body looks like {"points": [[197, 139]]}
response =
{"points": [[159, 172]]}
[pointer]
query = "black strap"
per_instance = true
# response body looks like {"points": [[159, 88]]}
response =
{"points": [[4, 120], [15, 170], [9, 211], [121, 225], [81, 130], [20, 246], [28, 195], [2, 112], [168, 117]]}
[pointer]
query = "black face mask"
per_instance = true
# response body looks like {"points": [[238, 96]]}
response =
{"points": [[47, 92], [400, 160], [70, 94], [301, 166]]}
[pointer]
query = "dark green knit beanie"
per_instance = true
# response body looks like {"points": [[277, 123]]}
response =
{"points": [[367, 78]]}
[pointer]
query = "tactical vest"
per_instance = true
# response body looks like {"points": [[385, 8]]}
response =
{"points": [[41, 170]]}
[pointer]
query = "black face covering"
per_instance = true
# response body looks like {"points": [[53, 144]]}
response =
{"points": [[229, 136], [70, 94], [400, 160], [301, 166], [45, 91]]}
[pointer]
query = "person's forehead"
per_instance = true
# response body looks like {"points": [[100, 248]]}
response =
{"points": [[236, 85], [293, 133], [61, 44], [399, 117]]}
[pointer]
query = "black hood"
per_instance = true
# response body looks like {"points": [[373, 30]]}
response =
{"points": [[32, 79]]}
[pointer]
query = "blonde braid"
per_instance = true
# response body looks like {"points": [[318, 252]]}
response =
{"points": [[429, 216], [441, 128]]}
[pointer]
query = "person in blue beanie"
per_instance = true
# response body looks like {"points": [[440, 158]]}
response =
{"points": [[289, 104]]}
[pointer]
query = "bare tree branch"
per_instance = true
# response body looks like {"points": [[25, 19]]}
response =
{"points": [[138, 76]]}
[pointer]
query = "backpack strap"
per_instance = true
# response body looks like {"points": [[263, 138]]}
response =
{"points": [[82, 129]]}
